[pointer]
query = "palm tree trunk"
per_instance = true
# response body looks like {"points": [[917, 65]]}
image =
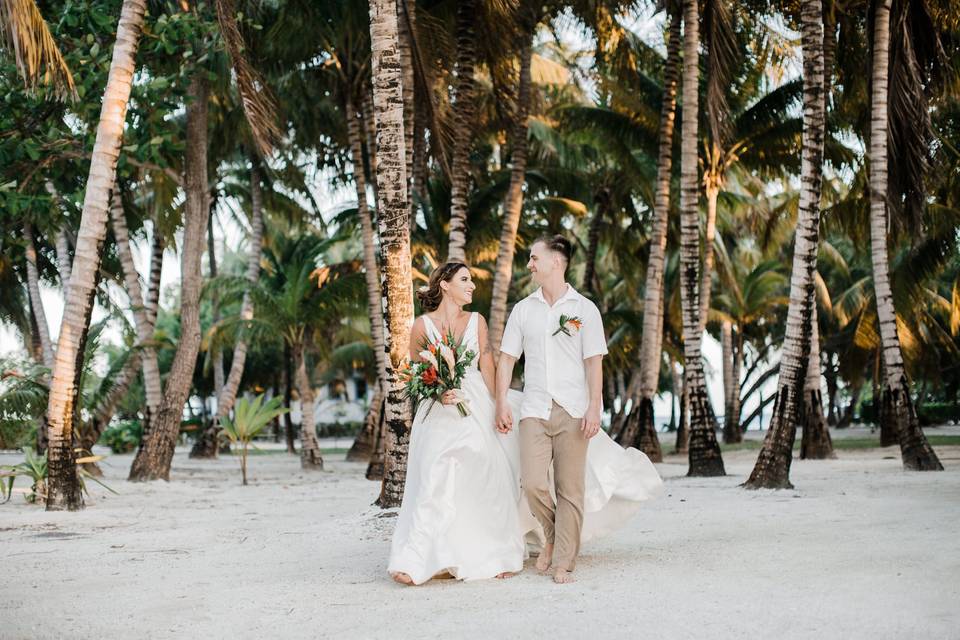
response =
{"points": [[736, 431], [288, 399], [705, 458], [896, 405], [63, 488], [709, 234], [602, 208], [36, 304], [105, 411], [207, 445], [152, 300], [155, 455], [310, 458], [62, 244], [148, 355], [394, 220], [405, 17], [215, 303], [464, 107], [363, 445], [651, 342], [772, 469], [513, 205], [815, 442]]}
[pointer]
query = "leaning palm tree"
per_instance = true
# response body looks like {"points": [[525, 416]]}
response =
{"points": [[704, 451], [64, 484], [772, 469], [897, 406], [155, 454], [394, 218]]}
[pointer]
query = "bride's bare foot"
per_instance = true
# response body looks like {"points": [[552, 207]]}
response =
{"points": [[402, 578], [545, 558], [562, 576], [504, 575]]}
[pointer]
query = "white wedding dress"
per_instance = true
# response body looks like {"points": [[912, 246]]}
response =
{"points": [[463, 511]]}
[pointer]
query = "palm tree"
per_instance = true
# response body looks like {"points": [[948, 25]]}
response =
{"points": [[513, 203], [394, 218], [772, 469], [705, 457], [64, 485], [463, 115], [897, 406], [155, 454], [651, 344]]}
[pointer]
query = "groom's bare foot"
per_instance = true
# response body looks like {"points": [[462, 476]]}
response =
{"points": [[562, 576], [403, 578], [545, 558]]}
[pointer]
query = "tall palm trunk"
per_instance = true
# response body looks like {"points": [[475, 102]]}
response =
{"points": [[896, 406], [155, 455], [405, 22], [651, 342], [363, 445], [63, 487], [732, 433], [772, 469], [464, 107], [217, 355], [62, 243], [36, 304], [207, 445], [601, 211], [709, 235], [152, 300], [153, 389], [815, 442], [513, 205], [289, 432], [705, 458], [394, 221], [310, 457]]}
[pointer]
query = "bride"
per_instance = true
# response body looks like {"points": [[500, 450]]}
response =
{"points": [[463, 512]]}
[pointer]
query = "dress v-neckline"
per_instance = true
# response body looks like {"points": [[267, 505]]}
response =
{"points": [[463, 336]]}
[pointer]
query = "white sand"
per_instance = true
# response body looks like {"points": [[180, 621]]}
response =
{"points": [[860, 549]]}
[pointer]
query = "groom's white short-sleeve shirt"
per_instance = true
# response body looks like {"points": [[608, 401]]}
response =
{"points": [[554, 363]]}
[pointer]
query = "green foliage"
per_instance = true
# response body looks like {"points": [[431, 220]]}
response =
{"points": [[250, 417], [35, 468], [122, 437]]}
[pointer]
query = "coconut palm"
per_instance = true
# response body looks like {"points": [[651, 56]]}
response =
{"points": [[916, 452], [25, 34], [248, 421], [394, 218], [64, 486]]}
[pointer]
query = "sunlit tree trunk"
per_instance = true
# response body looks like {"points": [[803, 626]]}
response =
{"points": [[464, 106], [815, 442], [155, 455], [512, 206], [704, 452], [394, 222], [651, 342], [896, 405], [772, 469], [63, 488]]}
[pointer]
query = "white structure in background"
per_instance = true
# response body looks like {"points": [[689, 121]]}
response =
{"points": [[339, 402]]}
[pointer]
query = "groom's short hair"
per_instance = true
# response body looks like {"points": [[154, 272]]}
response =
{"points": [[559, 244]]}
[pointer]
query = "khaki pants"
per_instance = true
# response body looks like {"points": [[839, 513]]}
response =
{"points": [[558, 441]]}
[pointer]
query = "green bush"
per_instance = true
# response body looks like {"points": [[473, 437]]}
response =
{"points": [[338, 429], [122, 437], [930, 413]]}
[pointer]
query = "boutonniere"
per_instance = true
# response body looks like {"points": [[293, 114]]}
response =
{"points": [[568, 325]]}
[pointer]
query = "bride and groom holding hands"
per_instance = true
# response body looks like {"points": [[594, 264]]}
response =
{"points": [[522, 470]]}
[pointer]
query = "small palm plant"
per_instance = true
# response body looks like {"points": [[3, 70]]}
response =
{"points": [[249, 419], [35, 467]]}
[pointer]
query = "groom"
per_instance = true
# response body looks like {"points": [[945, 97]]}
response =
{"points": [[561, 334]]}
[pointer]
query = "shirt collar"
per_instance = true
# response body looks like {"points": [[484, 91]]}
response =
{"points": [[571, 294]]}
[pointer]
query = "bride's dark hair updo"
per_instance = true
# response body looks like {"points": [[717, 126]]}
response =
{"points": [[431, 295]]}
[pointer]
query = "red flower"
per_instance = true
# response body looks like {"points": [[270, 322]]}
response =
{"points": [[429, 377]]}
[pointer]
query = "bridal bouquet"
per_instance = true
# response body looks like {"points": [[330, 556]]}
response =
{"points": [[442, 367]]}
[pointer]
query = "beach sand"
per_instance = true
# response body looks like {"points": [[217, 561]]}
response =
{"points": [[860, 549]]}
